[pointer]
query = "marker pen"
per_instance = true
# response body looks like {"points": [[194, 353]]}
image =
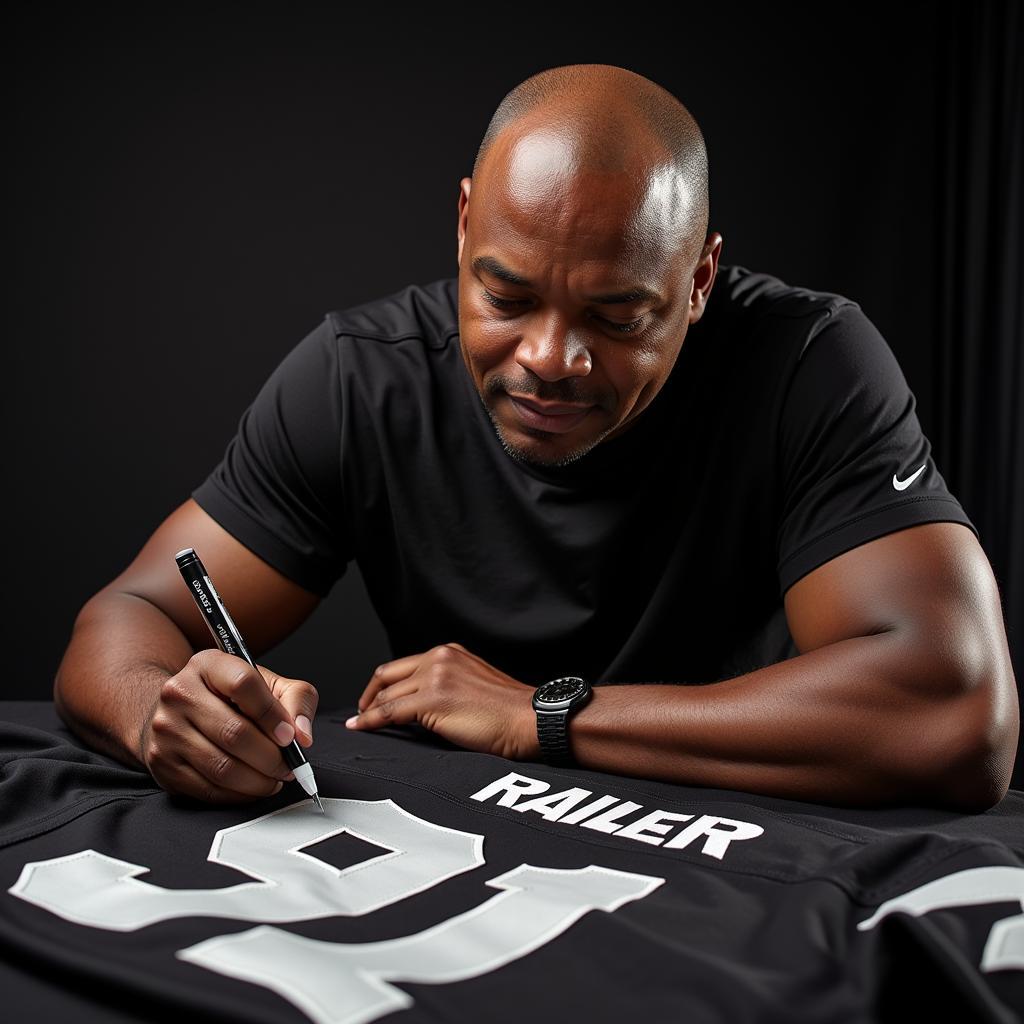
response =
{"points": [[229, 640]]}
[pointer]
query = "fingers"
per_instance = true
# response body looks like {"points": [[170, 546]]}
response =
{"points": [[392, 671], [299, 699], [386, 674], [190, 721], [227, 770], [397, 708], [193, 726], [234, 679], [229, 736], [189, 782], [190, 763]]}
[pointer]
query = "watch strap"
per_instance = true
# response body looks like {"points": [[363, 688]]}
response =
{"points": [[553, 734]]}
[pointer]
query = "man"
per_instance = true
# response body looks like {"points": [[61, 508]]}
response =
{"points": [[599, 481]]}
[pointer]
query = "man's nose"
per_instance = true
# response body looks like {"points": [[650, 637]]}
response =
{"points": [[553, 350]]}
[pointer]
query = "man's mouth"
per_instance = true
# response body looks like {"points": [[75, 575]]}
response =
{"points": [[554, 417]]}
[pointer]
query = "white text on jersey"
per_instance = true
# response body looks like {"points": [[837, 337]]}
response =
{"points": [[605, 814]]}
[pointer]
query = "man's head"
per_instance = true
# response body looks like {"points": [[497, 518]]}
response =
{"points": [[583, 255]]}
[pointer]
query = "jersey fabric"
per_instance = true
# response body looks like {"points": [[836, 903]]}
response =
{"points": [[785, 435], [447, 885]]}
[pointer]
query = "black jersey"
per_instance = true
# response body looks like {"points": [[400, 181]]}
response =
{"points": [[448, 885], [785, 435]]}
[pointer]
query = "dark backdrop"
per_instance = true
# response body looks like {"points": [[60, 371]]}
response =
{"points": [[194, 189]]}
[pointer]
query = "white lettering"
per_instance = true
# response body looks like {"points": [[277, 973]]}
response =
{"points": [[575, 817], [512, 787], [718, 837], [554, 805], [605, 814], [652, 822], [608, 821]]}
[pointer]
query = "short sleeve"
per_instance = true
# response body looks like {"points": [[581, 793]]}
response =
{"points": [[277, 488], [854, 462]]}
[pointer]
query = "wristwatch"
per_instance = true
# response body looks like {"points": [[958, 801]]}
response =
{"points": [[554, 701]]}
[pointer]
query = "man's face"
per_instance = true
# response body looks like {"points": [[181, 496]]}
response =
{"points": [[573, 351]]}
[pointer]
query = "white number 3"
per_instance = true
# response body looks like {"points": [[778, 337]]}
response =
{"points": [[335, 983]]}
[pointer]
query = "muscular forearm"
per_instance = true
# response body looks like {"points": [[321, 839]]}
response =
{"points": [[853, 722], [121, 651]]}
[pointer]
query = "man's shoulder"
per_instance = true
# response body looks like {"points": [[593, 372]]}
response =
{"points": [[764, 323], [741, 292], [424, 312]]}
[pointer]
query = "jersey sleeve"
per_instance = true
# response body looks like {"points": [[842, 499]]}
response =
{"points": [[277, 488], [855, 463]]}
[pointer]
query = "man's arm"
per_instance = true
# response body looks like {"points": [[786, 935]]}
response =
{"points": [[903, 691], [121, 684]]}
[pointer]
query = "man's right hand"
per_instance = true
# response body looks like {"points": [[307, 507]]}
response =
{"points": [[216, 728], [205, 730]]}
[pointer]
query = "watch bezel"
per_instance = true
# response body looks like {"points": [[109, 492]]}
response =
{"points": [[543, 706]]}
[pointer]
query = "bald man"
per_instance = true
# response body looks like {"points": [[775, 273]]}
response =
{"points": [[571, 468]]}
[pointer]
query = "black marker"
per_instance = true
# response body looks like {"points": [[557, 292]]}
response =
{"points": [[229, 640]]}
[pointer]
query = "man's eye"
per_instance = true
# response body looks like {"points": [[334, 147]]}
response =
{"points": [[501, 303], [629, 328], [494, 300]]}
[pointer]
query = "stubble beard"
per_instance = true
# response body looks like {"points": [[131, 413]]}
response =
{"points": [[528, 456]]}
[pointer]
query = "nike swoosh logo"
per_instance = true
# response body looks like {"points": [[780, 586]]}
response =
{"points": [[902, 485]]}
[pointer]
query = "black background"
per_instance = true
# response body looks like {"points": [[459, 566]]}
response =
{"points": [[194, 188]]}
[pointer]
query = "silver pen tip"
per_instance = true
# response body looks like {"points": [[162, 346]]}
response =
{"points": [[320, 805]]}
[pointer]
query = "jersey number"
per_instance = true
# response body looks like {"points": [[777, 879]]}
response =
{"points": [[335, 983]]}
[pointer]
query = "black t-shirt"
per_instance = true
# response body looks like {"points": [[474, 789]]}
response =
{"points": [[449, 885], [785, 435]]}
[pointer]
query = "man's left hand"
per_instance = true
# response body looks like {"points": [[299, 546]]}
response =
{"points": [[456, 694]]}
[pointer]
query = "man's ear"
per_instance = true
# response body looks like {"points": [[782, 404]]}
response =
{"points": [[704, 275], [464, 187]]}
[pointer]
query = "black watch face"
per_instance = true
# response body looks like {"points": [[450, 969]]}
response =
{"points": [[560, 690]]}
